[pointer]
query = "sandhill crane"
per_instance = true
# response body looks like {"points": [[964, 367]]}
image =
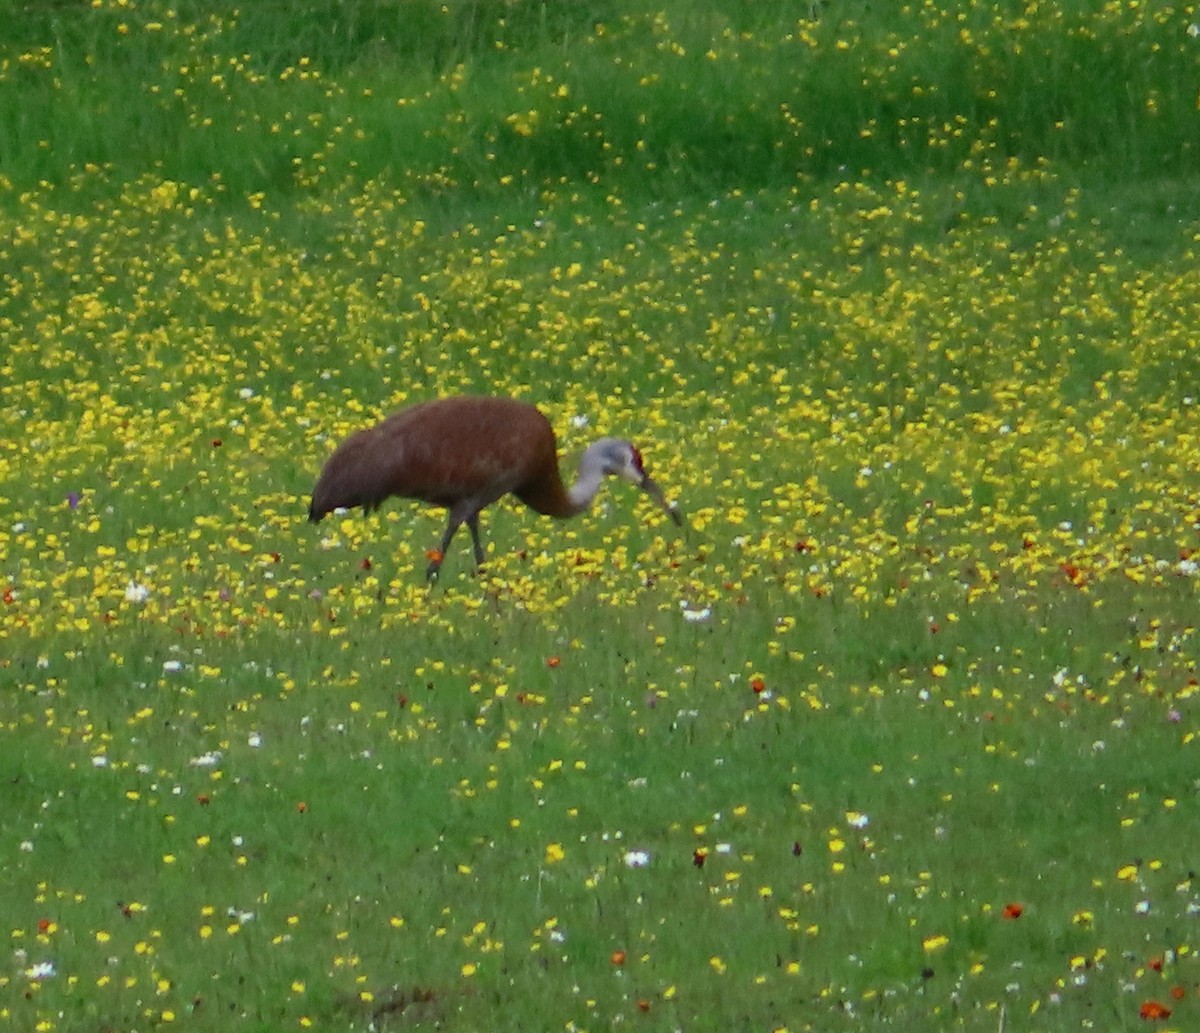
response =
{"points": [[464, 453]]}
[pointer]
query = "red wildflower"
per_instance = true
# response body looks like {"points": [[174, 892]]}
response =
{"points": [[1013, 910], [1073, 574], [699, 856], [553, 661], [617, 957], [758, 685], [1154, 1011]]}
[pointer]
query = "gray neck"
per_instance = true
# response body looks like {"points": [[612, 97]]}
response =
{"points": [[592, 470]]}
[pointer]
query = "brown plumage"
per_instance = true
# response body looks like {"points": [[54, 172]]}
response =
{"points": [[463, 453]]}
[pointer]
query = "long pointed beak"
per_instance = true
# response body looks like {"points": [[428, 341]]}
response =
{"points": [[651, 488]]}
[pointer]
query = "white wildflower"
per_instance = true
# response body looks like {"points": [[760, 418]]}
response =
{"points": [[42, 970], [206, 760]]}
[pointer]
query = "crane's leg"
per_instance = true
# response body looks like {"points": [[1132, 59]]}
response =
{"points": [[435, 562], [473, 526]]}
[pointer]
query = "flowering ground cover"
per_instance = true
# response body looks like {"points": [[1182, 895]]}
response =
{"points": [[899, 731]]}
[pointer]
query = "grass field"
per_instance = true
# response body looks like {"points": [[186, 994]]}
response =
{"points": [[898, 732]]}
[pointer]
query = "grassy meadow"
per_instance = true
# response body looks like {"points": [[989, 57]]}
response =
{"points": [[901, 304]]}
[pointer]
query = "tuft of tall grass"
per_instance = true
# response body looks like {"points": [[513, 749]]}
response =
{"points": [[470, 95]]}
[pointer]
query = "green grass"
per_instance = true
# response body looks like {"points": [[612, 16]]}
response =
{"points": [[898, 732], [487, 95]]}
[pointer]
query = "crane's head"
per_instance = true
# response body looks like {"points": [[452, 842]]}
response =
{"points": [[622, 459]]}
